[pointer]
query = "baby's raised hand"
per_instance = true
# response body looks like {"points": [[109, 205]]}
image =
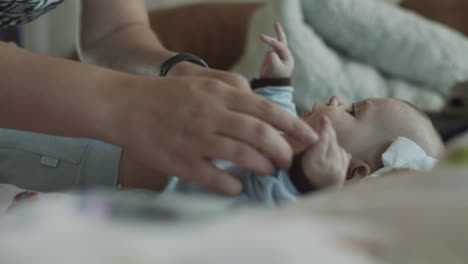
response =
{"points": [[279, 62], [325, 164]]}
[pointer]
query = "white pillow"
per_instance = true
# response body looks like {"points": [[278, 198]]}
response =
{"points": [[322, 72], [394, 40], [393, 1]]}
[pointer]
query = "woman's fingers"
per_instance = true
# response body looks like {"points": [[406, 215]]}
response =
{"points": [[275, 115], [216, 179], [259, 135], [192, 162], [243, 155], [175, 124], [231, 78], [235, 80]]}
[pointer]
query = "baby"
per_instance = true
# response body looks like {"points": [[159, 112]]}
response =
{"points": [[356, 139]]}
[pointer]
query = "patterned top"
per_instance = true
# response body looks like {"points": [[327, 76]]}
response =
{"points": [[16, 12]]}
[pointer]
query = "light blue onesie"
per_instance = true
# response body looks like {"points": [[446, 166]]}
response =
{"points": [[270, 190]]}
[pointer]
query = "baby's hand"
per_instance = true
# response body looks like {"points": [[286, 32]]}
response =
{"points": [[279, 62], [325, 164]]}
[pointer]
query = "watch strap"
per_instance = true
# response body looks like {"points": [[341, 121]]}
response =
{"points": [[171, 62]]}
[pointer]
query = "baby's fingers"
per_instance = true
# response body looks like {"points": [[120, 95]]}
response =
{"points": [[274, 58], [271, 41], [280, 34], [328, 138], [277, 46], [327, 129]]}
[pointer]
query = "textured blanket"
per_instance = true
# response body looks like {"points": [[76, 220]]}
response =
{"points": [[408, 218], [360, 49]]}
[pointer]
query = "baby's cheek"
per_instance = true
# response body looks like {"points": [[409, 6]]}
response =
{"points": [[313, 123], [346, 137], [313, 120]]}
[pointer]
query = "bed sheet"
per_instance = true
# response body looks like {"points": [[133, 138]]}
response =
{"points": [[402, 218]]}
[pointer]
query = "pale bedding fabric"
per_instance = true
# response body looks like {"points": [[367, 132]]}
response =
{"points": [[406, 219], [409, 218], [360, 49]]}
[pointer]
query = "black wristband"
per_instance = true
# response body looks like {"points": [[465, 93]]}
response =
{"points": [[171, 62], [262, 82]]}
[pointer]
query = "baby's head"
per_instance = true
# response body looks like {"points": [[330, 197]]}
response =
{"points": [[367, 128]]}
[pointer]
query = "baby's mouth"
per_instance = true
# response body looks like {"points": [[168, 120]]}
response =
{"points": [[306, 113], [313, 107]]}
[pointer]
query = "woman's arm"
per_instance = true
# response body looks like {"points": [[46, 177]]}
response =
{"points": [[55, 96], [50, 95], [174, 125], [122, 39], [117, 34]]}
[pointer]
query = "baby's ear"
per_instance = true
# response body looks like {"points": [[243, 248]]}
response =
{"points": [[357, 170]]}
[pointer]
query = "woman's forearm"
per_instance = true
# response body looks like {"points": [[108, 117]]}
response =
{"points": [[133, 49], [123, 39], [50, 95]]}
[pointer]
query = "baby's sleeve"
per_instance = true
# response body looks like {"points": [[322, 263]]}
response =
{"points": [[278, 91], [271, 190]]}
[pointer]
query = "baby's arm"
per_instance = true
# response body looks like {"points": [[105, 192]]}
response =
{"points": [[278, 62], [274, 82], [325, 164]]}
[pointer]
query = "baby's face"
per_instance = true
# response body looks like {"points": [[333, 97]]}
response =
{"points": [[365, 127]]}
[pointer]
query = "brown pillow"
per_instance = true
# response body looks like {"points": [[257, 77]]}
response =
{"points": [[452, 13], [215, 32]]}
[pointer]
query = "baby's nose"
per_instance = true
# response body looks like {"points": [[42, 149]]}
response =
{"points": [[335, 101], [318, 105]]}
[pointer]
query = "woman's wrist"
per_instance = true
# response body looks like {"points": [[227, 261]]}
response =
{"points": [[134, 175], [184, 68], [104, 105]]}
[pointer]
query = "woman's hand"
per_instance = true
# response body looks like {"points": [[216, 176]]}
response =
{"points": [[179, 125], [190, 69], [326, 163], [279, 62]]}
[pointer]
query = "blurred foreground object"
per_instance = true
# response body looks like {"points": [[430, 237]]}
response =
{"points": [[402, 218]]}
